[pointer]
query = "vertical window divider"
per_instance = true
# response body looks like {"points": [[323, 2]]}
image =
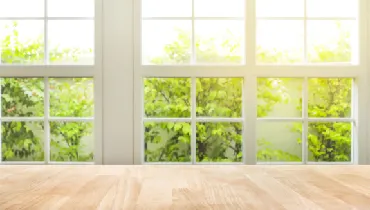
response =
{"points": [[250, 120], [305, 121], [46, 36], [193, 120], [250, 33], [193, 45], [46, 121], [305, 59]]}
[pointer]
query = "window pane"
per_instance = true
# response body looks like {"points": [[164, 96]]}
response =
{"points": [[332, 8], [280, 41], [279, 97], [21, 8], [330, 97], [279, 141], [22, 97], [329, 142], [219, 41], [22, 141], [21, 42], [166, 8], [330, 40], [219, 97], [280, 8], [71, 8], [71, 97], [166, 42], [71, 42], [219, 142], [167, 97], [219, 8], [167, 142], [71, 142]]}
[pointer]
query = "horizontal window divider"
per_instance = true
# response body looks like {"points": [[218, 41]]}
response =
{"points": [[71, 119], [22, 119], [306, 18], [329, 163], [167, 163], [280, 163], [241, 71], [195, 18], [281, 119], [22, 163], [215, 119], [330, 120], [70, 163], [219, 163], [167, 119], [47, 18], [47, 71]]}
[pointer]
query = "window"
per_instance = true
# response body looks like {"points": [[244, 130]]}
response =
{"points": [[47, 32], [249, 82], [48, 70]]}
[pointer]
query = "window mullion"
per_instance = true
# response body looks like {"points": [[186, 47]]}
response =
{"points": [[193, 45], [46, 121], [46, 35], [250, 32], [305, 59], [193, 120], [250, 117], [305, 121]]}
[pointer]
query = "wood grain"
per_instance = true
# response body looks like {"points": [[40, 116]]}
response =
{"points": [[184, 187]]}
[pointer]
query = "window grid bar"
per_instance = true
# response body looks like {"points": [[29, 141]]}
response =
{"points": [[193, 145], [46, 33], [46, 121], [306, 18], [49, 119], [193, 18], [47, 18], [193, 45], [305, 122], [280, 163], [305, 38]]}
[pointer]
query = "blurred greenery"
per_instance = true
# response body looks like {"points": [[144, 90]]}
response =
{"points": [[24, 97], [222, 97]]}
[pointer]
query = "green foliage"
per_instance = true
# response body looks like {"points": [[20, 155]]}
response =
{"points": [[220, 97], [24, 97]]}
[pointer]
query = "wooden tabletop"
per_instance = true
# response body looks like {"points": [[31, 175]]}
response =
{"points": [[184, 187]]}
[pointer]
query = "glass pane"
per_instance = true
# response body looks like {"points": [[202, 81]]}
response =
{"points": [[331, 40], [21, 8], [219, 97], [71, 142], [71, 97], [71, 8], [166, 8], [329, 97], [166, 42], [279, 141], [219, 8], [219, 142], [280, 8], [279, 97], [219, 41], [71, 42], [332, 8], [22, 141], [21, 42], [329, 142], [167, 97], [167, 142], [22, 97], [280, 41]]}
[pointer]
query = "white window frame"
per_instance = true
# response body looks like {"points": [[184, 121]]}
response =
{"points": [[250, 71], [47, 71]]}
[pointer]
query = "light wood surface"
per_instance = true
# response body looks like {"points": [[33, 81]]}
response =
{"points": [[184, 187]]}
